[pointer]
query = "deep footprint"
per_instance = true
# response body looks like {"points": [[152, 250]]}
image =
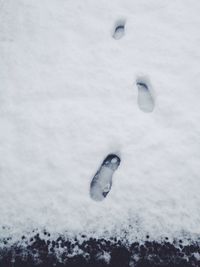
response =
{"points": [[119, 30], [145, 98], [102, 181]]}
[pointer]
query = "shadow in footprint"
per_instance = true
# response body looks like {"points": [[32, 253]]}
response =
{"points": [[145, 99], [102, 181], [119, 29]]}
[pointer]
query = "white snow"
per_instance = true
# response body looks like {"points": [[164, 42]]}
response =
{"points": [[68, 98], [119, 29], [102, 181], [145, 96]]}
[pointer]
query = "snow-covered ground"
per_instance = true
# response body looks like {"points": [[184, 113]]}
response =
{"points": [[69, 97]]}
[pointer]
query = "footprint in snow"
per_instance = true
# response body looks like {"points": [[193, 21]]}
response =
{"points": [[119, 30], [102, 181], [145, 95]]}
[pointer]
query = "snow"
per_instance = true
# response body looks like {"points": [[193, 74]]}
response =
{"points": [[119, 29], [68, 98], [145, 95], [102, 181]]}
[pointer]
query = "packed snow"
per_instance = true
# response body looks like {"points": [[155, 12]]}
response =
{"points": [[145, 96], [69, 97], [102, 182]]}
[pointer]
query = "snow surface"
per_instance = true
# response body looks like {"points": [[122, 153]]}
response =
{"points": [[145, 97], [68, 98], [102, 182]]}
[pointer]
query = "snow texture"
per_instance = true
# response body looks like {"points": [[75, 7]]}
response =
{"points": [[119, 30], [68, 98], [102, 182], [145, 96]]}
